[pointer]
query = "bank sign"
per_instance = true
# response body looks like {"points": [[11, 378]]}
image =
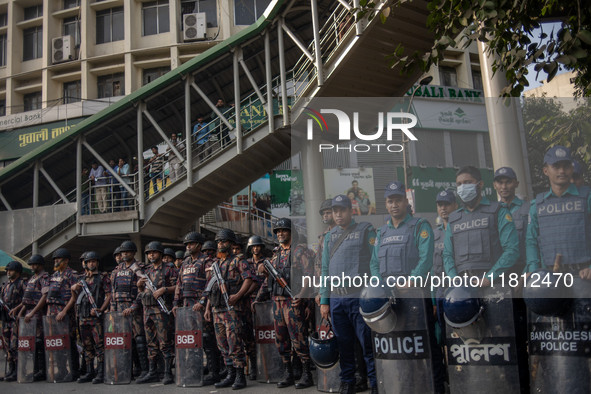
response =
{"points": [[19, 142]]}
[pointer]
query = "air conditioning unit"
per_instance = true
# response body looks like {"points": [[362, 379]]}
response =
{"points": [[194, 26], [63, 49]]}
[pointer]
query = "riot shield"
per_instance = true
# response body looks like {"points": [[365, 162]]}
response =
{"points": [[486, 365], [189, 348], [328, 380], [118, 335], [27, 334], [58, 358], [560, 359], [403, 355], [2, 356], [269, 363]]}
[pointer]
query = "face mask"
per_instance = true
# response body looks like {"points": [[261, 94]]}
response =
{"points": [[467, 192]]}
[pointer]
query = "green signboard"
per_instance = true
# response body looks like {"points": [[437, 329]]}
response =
{"points": [[287, 193], [427, 182], [17, 143]]}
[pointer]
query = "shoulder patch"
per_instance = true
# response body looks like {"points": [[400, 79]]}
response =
{"points": [[372, 240], [509, 217], [424, 234]]}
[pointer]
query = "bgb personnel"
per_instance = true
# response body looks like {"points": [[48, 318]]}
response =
{"points": [[34, 307], [91, 319], [12, 294], [347, 251], [560, 221]]}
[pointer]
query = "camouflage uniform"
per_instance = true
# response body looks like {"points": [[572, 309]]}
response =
{"points": [[227, 323], [125, 293], [91, 327], [159, 325], [60, 285], [191, 281], [12, 295], [36, 287]]}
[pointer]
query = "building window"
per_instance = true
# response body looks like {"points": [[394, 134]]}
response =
{"points": [[3, 107], [207, 6], [151, 74], [72, 92], [34, 12], [71, 4], [155, 18], [477, 79], [109, 25], [33, 43], [32, 101], [3, 20], [448, 76], [3, 50], [111, 85], [72, 28], [246, 12]]}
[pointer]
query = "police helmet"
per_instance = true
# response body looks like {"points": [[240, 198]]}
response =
{"points": [[92, 256], [283, 223], [377, 306], [324, 352], [82, 256], [128, 246], [36, 259], [254, 241], [193, 237], [209, 245], [15, 266], [116, 251], [179, 254], [225, 234], [169, 252], [61, 253], [550, 299], [462, 306], [325, 206], [155, 246]]}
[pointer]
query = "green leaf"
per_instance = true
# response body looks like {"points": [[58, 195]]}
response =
{"points": [[584, 36], [563, 59], [383, 18], [578, 53], [463, 21]]}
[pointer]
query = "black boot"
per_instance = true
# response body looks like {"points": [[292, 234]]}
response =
{"points": [[75, 359], [213, 366], [82, 369], [168, 378], [296, 367], [88, 376], [240, 381], [137, 366], [39, 362], [142, 353], [100, 371], [347, 388], [11, 375], [306, 380], [253, 367], [152, 375], [287, 379], [230, 378]]}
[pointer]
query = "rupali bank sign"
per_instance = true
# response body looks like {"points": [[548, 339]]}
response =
{"points": [[448, 92]]}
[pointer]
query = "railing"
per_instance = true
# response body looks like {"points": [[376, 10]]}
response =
{"points": [[109, 197]]}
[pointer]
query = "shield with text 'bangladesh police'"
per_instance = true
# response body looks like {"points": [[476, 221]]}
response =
{"points": [[189, 348], [58, 358], [26, 350], [269, 363], [118, 353]]}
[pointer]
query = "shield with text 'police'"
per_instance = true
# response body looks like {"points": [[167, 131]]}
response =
{"points": [[58, 358], [27, 334], [118, 353], [403, 355], [189, 348], [560, 347], [269, 363], [485, 360], [329, 380]]}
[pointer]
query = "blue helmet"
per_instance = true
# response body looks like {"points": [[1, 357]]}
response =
{"points": [[324, 352], [545, 298], [462, 306], [377, 307]]}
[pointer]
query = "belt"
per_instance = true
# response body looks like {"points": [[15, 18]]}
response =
{"points": [[343, 291], [570, 267]]}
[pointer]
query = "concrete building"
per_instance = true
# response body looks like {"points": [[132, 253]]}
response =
{"points": [[561, 87]]}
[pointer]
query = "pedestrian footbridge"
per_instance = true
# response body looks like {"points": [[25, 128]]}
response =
{"points": [[298, 49]]}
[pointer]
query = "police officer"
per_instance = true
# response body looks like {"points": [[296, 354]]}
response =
{"points": [[227, 322], [492, 224], [560, 220], [347, 251], [12, 294], [289, 314], [446, 204], [34, 300], [158, 324], [124, 280], [413, 239], [60, 301], [326, 213], [90, 318]]}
